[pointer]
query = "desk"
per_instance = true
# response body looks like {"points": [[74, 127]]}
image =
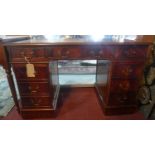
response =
{"points": [[39, 95]]}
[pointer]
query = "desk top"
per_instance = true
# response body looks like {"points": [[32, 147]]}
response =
{"points": [[76, 41]]}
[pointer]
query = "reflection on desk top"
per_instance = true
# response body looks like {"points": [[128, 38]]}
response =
{"points": [[13, 38], [85, 40]]}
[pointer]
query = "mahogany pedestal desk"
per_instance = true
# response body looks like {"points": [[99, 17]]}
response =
{"points": [[39, 95]]}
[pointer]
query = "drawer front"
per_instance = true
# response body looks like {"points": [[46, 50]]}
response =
{"points": [[128, 70], [34, 88], [31, 53], [122, 99], [68, 52], [41, 72], [115, 52], [36, 102], [119, 86], [94, 52], [133, 52]]}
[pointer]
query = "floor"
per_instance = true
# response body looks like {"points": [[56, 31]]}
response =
{"points": [[80, 104]]}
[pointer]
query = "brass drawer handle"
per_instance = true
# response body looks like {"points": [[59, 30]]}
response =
{"points": [[123, 99], [32, 53], [66, 54], [39, 101], [124, 85], [98, 56], [126, 71], [35, 90], [131, 53], [24, 54], [35, 102]]}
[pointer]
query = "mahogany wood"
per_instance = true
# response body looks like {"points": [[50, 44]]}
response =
{"points": [[39, 95]]}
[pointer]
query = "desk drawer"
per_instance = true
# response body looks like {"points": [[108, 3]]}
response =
{"points": [[94, 52], [36, 102], [31, 53], [122, 99], [68, 52], [128, 69], [41, 72], [115, 52], [119, 86], [133, 52], [33, 88]]}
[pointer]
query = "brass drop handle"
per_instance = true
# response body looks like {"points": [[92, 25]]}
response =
{"points": [[35, 102], [123, 99], [39, 101], [28, 53], [96, 53], [126, 71], [131, 53], [124, 85], [35, 90], [66, 54], [32, 53], [22, 54], [98, 56]]}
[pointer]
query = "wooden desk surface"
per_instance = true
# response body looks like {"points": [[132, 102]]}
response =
{"points": [[76, 42]]}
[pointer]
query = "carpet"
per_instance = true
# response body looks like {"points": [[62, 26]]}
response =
{"points": [[6, 100], [8, 105]]}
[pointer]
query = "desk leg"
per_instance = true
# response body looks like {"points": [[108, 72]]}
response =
{"points": [[12, 88], [4, 62]]}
